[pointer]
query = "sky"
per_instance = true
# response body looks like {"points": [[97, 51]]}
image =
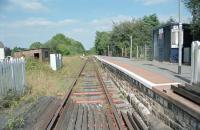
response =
{"points": [[23, 22]]}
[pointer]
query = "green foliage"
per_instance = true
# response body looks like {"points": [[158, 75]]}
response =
{"points": [[64, 45], [34, 64], [7, 51], [151, 20], [15, 49], [194, 7], [91, 51], [11, 100], [15, 122], [36, 45], [119, 37], [171, 20], [102, 41]]}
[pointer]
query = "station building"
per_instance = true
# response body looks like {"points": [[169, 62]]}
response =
{"points": [[42, 54], [165, 43]]}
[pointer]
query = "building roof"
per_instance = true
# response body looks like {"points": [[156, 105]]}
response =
{"points": [[1, 45], [170, 24], [33, 49]]}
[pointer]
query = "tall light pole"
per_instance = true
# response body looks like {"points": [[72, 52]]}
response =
{"points": [[180, 40], [131, 48]]}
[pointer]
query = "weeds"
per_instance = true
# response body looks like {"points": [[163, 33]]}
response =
{"points": [[44, 81], [15, 122], [40, 81]]}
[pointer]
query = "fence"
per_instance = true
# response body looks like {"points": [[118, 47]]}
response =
{"points": [[195, 62], [55, 61], [12, 76], [144, 52]]}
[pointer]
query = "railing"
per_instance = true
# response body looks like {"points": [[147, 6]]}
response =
{"points": [[12, 76]]}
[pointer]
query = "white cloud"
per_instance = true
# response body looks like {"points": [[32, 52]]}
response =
{"points": [[67, 21], [152, 2], [79, 30], [106, 23], [184, 19], [37, 22], [28, 5]]}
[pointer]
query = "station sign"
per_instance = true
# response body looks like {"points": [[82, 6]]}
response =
{"points": [[174, 36]]}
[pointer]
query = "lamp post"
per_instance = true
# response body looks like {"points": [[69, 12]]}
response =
{"points": [[180, 40]]}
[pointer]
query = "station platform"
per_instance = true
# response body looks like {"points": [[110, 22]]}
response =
{"points": [[156, 80]]}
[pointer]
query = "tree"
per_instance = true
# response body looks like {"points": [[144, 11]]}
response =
{"points": [[101, 42], [16, 49], [36, 45], [194, 7], [171, 20], [91, 51], [151, 20], [7, 51], [64, 45], [140, 29]]}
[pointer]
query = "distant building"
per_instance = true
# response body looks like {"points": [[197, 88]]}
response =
{"points": [[2, 51], [41, 54], [165, 43]]}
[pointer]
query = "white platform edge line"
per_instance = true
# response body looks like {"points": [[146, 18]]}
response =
{"points": [[135, 76], [148, 83], [163, 84]]}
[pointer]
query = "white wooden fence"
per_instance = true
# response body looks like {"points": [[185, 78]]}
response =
{"points": [[12, 76]]}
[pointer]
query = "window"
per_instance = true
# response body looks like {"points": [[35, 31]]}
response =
{"points": [[46, 54]]}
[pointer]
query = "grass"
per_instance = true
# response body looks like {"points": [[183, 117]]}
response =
{"points": [[41, 81]]}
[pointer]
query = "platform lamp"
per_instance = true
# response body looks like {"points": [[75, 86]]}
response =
{"points": [[180, 40]]}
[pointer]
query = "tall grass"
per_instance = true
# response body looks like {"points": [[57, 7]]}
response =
{"points": [[43, 81]]}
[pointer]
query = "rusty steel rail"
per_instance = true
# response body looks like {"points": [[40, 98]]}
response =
{"points": [[53, 122], [113, 108], [57, 114]]}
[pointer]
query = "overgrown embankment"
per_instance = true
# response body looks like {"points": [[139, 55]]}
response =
{"points": [[42, 84], [44, 81]]}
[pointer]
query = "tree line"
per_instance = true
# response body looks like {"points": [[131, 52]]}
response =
{"points": [[118, 40], [194, 8], [57, 44]]}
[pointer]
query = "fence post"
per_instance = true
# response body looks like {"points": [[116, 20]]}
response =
{"points": [[137, 52], [195, 62]]}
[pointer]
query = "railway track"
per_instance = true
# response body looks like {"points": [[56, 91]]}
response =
{"points": [[92, 103]]}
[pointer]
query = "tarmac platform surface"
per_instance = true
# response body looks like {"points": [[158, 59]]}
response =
{"points": [[166, 69]]}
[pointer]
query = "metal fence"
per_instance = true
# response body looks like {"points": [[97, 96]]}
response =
{"points": [[12, 76], [144, 52]]}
